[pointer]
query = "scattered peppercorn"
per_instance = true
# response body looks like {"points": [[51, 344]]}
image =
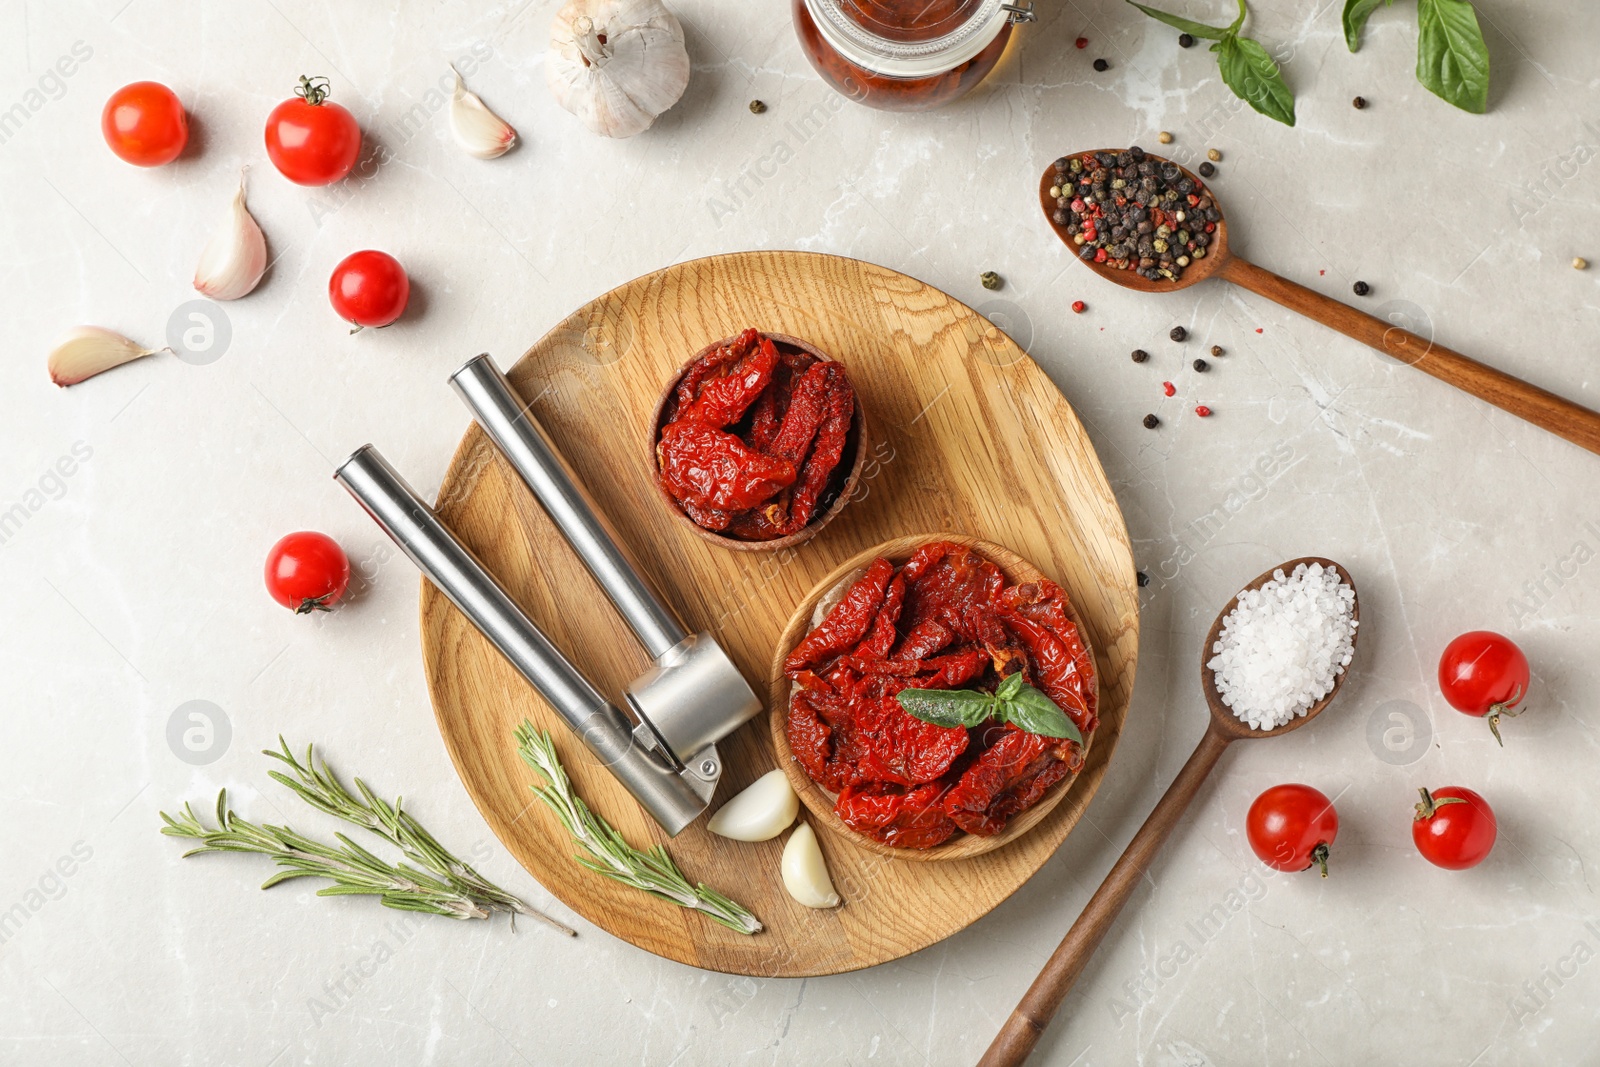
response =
{"points": [[1213, 155], [1131, 211], [1144, 579], [1203, 411], [1164, 137], [1151, 422], [1140, 355], [1078, 307], [1579, 263], [1359, 102], [1361, 288], [1207, 170], [1169, 389], [1185, 41], [1201, 365], [1179, 334], [1216, 350], [1101, 64], [1082, 42], [990, 279], [757, 107]]}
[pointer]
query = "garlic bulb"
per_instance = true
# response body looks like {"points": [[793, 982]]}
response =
{"points": [[235, 257], [476, 129], [762, 810], [805, 872], [617, 64], [84, 351]]}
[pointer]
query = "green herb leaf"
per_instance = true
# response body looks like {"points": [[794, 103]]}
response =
{"points": [[1452, 59], [1010, 687], [1189, 26], [948, 707], [1249, 71], [1355, 17], [1033, 711]]}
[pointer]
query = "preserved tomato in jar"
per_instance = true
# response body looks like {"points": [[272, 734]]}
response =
{"points": [[906, 55]]}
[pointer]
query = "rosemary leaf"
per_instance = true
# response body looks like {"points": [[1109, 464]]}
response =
{"points": [[431, 881], [608, 853]]}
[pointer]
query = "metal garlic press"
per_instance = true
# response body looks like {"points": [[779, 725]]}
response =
{"points": [[666, 753]]}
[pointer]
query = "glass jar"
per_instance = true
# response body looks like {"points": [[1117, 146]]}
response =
{"points": [[906, 55]]}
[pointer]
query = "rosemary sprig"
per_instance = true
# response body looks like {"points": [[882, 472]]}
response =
{"points": [[434, 881], [609, 854]]}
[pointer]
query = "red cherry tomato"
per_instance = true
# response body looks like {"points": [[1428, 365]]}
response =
{"points": [[307, 572], [310, 139], [369, 289], [144, 124], [1291, 826], [1484, 674], [1454, 828]]}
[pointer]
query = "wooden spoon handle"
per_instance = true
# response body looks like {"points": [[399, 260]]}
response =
{"points": [[1028, 1021], [1526, 401]]}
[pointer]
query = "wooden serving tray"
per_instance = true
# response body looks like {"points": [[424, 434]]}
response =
{"points": [[969, 436]]}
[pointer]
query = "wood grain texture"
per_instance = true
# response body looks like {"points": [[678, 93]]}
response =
{"points": [[969, 435], [1027, 1022], [820, 802]]}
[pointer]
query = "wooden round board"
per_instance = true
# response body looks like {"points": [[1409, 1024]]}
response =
{"points": [[969, 436]]}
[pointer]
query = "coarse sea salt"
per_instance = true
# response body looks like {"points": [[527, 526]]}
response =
{"points": [[1282, 646]]}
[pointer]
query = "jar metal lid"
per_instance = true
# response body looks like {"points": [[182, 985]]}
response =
{"points": [[911, 39]]}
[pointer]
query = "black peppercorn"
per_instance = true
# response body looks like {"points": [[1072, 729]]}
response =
{"points": [[1144, 579], [1063, 164], [1178, 333], [1140, 355], [1101, 64], [1359, 102], [1151, 422], [1216, 350], [1185, 41], [1361, 288], [1207, 170], [1201, 365]]}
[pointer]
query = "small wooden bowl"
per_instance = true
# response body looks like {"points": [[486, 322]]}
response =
{"points": [[964, 845], [853, 460]]}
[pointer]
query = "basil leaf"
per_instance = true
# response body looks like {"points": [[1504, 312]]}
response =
{"points": [[948, 707], [1010, 687], [1249, 71], [1033, 711], [1452, 60], [1355, 17], [1189, 26]]}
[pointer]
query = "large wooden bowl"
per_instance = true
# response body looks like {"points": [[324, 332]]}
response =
{"points": [[968, 435], [842, 483], [818, 800]]}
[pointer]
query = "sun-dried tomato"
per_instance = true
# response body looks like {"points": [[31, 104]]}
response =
{"points": [[780, 404], [947, 619], [712, 469]]}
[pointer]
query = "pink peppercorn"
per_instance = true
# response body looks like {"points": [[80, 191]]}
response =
{"points": [[1169, 388], [1203, 411], [1078, 307]]}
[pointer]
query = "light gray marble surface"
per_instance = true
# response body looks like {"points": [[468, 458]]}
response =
{"points": [[134, 586]]}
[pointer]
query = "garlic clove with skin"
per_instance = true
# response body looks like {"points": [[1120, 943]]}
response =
{"points": [[84, 351], [805, 872], [479, 131], [761, 811], [235, 257]]}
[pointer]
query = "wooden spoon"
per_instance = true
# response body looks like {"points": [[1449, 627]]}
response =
{"points": [[1038, 1006], [1544, 409]]}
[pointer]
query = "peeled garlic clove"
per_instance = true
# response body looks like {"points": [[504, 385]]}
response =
{"points": [[84, 351], [478, 130], [762, 810], [805, 872], [235, 257]]}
